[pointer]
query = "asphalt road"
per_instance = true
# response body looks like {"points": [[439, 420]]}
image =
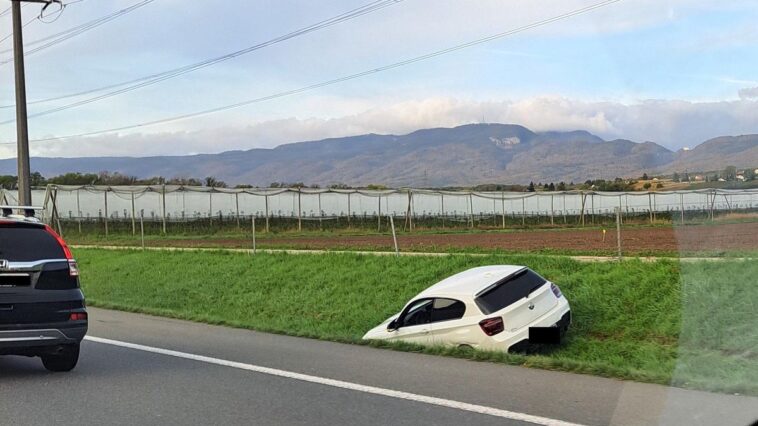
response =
{"points": [[162, 371]]}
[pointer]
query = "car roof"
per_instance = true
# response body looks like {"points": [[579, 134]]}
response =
{"points": [[470, 282]]}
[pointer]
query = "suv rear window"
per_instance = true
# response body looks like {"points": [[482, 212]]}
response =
{"points": [[508, 290], [27, 243]]}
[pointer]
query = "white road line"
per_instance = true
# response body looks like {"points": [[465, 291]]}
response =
{"points": [[480, 409]]}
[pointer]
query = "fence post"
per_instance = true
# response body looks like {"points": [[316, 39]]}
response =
{"points": [[618, 231], [471, 209], [584, 199], [394, 236], [106, 212], [55, 213], [210, 208], [650, 202], [552, 210], [523, 212], [237, 207], [299, 210], [134, 219], [379, 216], [267, 211], [142, 227], [621, 217], [442, 200], [78, 210], [254, 248], [502, 206], [348, 210], [163, 206], [320, 213], [681, 205], [592, 206]]}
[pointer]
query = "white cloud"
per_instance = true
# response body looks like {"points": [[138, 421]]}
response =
{"points": [[748, 93], [672, 123]]}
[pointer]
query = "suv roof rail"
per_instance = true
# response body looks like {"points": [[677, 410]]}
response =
{"points": [[7, 211]]}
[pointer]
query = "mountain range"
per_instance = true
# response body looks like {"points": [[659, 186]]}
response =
{"points": [[460, 156]]}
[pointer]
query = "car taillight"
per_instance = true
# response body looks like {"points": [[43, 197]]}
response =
{"points": [[78, 316], [492, 326], [73, 268], [556, 290]]}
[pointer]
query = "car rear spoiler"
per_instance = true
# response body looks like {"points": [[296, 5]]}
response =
{"points": [[28, 210]]}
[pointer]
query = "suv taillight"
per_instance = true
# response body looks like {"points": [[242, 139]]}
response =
{"points": [[556, 290], [73, 268], [492, 326]]}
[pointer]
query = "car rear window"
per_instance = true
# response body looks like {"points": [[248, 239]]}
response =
{"points": [[508, 290], [28, 243]]}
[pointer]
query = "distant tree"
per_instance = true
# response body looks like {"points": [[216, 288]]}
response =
{"points": [[37, 179], [274, 185], [212, 182], [551, 187], [562, 186], [530, 188], [749, 174], [376, 187], [546, 187], [8, 181], [244, 186], [338, 186], [730, 173], [645, 176], [659, 185], [647, 185], [676, 177]]}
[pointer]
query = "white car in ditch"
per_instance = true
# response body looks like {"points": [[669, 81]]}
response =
{"points": [[501, 307]]}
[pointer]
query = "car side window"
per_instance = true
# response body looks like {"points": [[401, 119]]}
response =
{"points": [[418, 313], [447, 309]]}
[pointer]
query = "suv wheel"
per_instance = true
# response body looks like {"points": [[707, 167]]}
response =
{"points": [[65, 360]]}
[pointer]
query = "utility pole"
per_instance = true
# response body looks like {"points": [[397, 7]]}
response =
{"points": [[22, 127]]}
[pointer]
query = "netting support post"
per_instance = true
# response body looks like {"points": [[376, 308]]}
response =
{"points": [[320, 214], [78, 210], [299, 211], [523, 212], [592, 207], [552, 210], [55, 214], [379, 216], [584, 200], [210, 208], [348, 210], [106, 212], [134, 219], [502, 206], [265, 197], [237, 207], [163, 207], [442, 205], [681, 205], [650, 203], [621, 214], [471, 209]]}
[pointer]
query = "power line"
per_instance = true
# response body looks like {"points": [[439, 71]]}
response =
{"points": [[75, 31], [40, 18], [507, 33], [166, 75]]}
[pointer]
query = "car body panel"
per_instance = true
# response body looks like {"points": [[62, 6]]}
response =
{"points": [[540, 308]]}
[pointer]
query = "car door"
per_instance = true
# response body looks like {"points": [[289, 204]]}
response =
{"points": [[449, 327], [414, 323]]}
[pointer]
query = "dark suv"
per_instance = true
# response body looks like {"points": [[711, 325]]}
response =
{"points": [[42, 311]]}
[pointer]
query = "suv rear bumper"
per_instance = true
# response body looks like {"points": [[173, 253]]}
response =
{"points": [[24, 340]]}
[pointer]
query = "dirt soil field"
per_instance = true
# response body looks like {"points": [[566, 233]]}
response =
{"points": [[692, 238]]}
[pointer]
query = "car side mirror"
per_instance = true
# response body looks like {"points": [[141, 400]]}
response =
{"points": [[393, 325]]}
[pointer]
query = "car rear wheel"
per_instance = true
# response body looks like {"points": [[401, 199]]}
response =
{"points": [[64, 360]]}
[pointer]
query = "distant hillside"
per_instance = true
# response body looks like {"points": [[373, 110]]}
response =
{"points": [[460, 156], [717, 153]]}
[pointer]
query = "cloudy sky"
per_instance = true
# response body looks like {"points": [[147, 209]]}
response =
{"points": [[675, 72]]}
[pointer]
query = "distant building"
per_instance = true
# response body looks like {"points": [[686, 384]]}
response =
{"points": [[699, 178], [741, 178]]}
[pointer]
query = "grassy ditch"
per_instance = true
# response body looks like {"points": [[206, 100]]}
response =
{"points": [[629, 317]]}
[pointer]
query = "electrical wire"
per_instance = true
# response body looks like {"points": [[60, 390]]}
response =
{"points": [[40, 18], [165, 75], [434, 54], [75, 31]]}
